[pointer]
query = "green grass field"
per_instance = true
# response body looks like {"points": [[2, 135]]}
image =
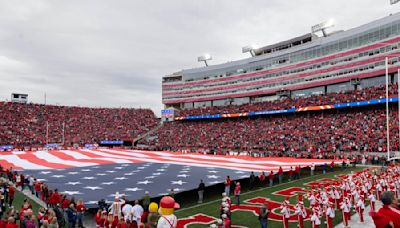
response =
{"points": [[248, 219]]}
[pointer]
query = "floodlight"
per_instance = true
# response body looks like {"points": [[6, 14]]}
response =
{"points": [[204, 58], [250, 48], [322, 26], [394, 2]]}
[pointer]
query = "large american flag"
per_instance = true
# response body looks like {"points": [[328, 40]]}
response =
{"points": [[94, 174]]}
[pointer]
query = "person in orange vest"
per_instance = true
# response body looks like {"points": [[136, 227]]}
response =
{"points": [[285, 211]]}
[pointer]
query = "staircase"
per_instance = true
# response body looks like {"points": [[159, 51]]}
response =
{"points": [[147, 133]]}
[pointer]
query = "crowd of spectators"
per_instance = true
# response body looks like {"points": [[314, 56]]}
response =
{"points": [[26, 124], [377, 92], [313, 132]]}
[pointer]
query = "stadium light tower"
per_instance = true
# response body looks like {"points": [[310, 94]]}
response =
{"points": [[251, 49], [204, 58], [323, 26]]}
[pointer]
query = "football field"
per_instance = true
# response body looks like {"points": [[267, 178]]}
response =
{"points": [[245, 215]]}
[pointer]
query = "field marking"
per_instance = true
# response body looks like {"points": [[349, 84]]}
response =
{"points": [[249, 192]]}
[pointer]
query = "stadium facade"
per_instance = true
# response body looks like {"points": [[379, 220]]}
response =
{"points": [[302, 66]]}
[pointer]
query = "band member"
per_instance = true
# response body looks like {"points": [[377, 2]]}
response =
{"points": [[330, 214], [360, 207], [285, 211]]}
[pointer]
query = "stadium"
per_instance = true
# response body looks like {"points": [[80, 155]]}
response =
{"points": [[303, 133]]}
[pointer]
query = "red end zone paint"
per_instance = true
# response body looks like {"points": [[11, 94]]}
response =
{"points": [[252, 205]]}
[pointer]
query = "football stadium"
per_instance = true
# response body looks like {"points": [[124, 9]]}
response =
{"points": [[302, 132]]}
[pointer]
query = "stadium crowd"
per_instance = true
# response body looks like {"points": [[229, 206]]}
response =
{"points": [[370, 93], [360, 130], [26, 124]]}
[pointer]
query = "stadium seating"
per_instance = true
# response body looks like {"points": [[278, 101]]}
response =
{"points": [[329, 131], [325, 99], [26, 124]]}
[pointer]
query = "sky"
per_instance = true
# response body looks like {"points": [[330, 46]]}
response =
{"points": [[102, 53]]}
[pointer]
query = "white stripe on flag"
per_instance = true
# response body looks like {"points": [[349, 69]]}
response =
{"points": [[53, 159], [17, 161]]}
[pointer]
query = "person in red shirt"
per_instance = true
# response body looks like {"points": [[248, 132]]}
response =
{"points": [[297, 172], [228, 186], [280, 174], [11, 194], [261, 177], [80, 209], [11, 223], [226, 221], [332, 165], [271, 178], [38, 188], [97, 218], [236, 191], [65, 202], [390, 209], [290, 173]]}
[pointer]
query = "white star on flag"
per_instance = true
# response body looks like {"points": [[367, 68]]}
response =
{"points": [[121, 178], [118, 167], [212, 171], [93, 188], [110, 171], [178, 182], [129, 174], [160, 170], [141, 167], [125, 165], [239, 172], [73, 183], [183, 175], [88, 178], [41, 180], [183, 171], [186, 169], [150, 177], [72, 173], [45, 172], [86, 170], [145, 182], [58, 176], [108, 183], [72, 193], [212, 177], [133, 189], [156, 174], [101, 174]]}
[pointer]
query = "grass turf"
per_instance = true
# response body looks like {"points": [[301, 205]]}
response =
{"points": [[248, 219]]}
